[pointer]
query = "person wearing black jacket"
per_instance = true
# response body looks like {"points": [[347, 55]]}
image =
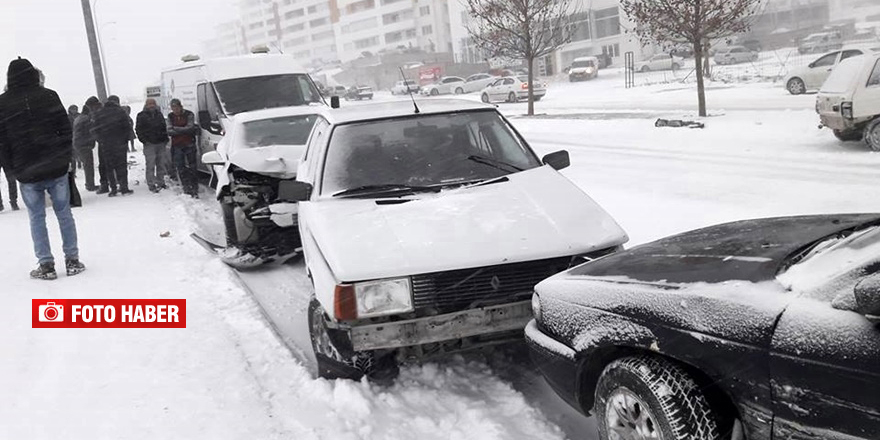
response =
{"points": [[152, 132], [84, 140], [112, 127], [182, 129], [35, 141]]}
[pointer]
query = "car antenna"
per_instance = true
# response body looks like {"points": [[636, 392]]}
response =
{"points": [[409, 90]]}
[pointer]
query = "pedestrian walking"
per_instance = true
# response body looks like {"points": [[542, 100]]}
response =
{"points": [[131, 134], [111, 127], [35, 141], [84, 140], [182, 128], [152, 132]]}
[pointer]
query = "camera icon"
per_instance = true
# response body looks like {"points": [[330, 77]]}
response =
{"points": [[51, 312]]}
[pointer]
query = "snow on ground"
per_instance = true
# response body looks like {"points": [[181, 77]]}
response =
{"points": [[227, 375]]}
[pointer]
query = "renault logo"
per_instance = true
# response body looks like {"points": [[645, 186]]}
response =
{"points": [[495, 283]]}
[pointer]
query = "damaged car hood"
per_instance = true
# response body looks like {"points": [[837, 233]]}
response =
{"points": [[530, 215]]}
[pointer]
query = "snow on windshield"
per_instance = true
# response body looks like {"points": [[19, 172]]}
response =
{"points": [[832, 259], [842, 78]]}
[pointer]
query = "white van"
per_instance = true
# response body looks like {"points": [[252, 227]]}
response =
{"points": [[215, 90], [849, 101]]}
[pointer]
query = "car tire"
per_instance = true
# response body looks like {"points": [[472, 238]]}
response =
{"points": [[848, 135], [871, 134], [654, 396], [228, 210], [537, 98], [511, 97], [645, 69], [796, 86], [435, 92], [459, 91], [485, 98]]}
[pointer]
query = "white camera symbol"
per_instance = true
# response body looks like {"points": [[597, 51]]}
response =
{"points": [[51, 312]]}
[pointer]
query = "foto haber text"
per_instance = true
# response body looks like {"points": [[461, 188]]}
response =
{"points": [[137, 313]]}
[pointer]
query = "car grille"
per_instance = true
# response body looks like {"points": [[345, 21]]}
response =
{"points": [[456, 290]]}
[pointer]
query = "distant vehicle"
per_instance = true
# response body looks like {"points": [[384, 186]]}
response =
{"points": [[661, 61], [358, 93], [337, 90], [751, 44], [583, 68], [405, 87], [512, 89], [477, 82], [849, 101], [811, 77], [820, 42], [759, 329], [447, 85], [735, 55]]}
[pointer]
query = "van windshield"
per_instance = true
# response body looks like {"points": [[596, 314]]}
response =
{"points": [[582, 63], [260, 92], [843, 76]]}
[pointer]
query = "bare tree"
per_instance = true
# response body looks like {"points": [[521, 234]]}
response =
{"points": [[521, 29], [692, 21]]}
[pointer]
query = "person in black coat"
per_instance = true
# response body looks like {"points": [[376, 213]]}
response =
{"points": [[152, 132], [84, 140], [35, 141], [112, 127]]}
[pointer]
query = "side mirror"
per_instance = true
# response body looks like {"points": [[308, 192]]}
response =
{"points": [[212, 158], [811, 65], [294, 191], [334, 101], [557, 160], [867, 293], [213, 127]]}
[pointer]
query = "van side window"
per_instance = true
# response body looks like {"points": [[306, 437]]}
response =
{"points": [[306, 89], [874, 79]]}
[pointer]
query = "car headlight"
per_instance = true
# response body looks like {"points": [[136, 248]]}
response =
{"points": [[372, 298], [536, 307], [589, 70]]}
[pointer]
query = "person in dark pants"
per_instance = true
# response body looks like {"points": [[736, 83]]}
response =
{"points": [[72, 113], [182, 128], [152, 132], [84, 140], [112, 127], [35, 141], [131, 133], [13, 187]]}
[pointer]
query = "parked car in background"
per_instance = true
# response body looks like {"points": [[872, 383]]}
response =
{"points": [[583, 68], [405, 87], [337, 90], [398, 271], [754, 330], [820, 42], [358, 93], [811, 77], [477, 82], [661, 61], [849, 101], [445, 86], [512, 89], [735, 55]]}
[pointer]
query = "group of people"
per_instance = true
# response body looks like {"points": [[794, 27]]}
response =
{"points": [[42, 145]]}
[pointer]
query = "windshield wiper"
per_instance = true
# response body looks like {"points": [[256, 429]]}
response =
{"points": [[501, 165], [384, 189]]}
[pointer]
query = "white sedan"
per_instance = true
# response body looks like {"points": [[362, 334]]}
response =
{"points": [[478, 81], [445, 86], [660, 61], [512, 89]]}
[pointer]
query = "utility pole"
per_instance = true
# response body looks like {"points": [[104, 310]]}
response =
{"points": [[100, 83]]}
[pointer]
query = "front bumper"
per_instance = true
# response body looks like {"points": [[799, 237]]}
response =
{"points": [[451, 326], [524, 94], [556, 362]]}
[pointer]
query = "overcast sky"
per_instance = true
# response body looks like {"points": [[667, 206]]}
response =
{"points": [[140, 38]]}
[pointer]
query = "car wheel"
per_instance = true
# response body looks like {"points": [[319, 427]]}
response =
{"points": [[646, 69], [335, 358], [511, 97], [649, 398], [459, 91], [796, 86], [872, 134], [848, 135], [228, 210], [537, 98], [435, 92], [485, 98]]}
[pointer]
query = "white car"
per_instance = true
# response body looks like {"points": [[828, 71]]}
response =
{"points": [[405, 87], [447, 85], [811, 76], [583, 68], [253, 165], [512, 89], [660, 61], [849, 101], [425, 232], [735, 55], [478, 81]]}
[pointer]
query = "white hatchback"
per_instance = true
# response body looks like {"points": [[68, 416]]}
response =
{"points": [[512, 89]]}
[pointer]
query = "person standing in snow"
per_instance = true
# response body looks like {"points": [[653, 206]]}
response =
{"points": [[72, 113], [153, 134], [13, 187], [84, 140], [182, 128], [35, 141], [112, 127], [131, 134]]}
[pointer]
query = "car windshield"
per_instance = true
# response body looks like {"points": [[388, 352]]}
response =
{"points": [[285, 130], [830, 259], [437, 150], [260, 92], [582, 63]]}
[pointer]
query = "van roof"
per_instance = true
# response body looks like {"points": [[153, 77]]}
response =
{"points": [[244, 66]]}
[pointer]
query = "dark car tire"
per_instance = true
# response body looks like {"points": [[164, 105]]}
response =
{"points": [[435, 92], [653, 392], [485, 98], [848, 135], [228, 210], [459, 91], [511, 97], [646, 69], [796, 86], [537, 98], [871, 134]]}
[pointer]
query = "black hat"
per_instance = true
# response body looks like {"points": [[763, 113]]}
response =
{"points": [[92, 101], [22, 73], [176, 101], [113, 98]]}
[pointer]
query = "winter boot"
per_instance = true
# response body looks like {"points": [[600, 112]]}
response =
{"points": [[46, 271], [74, 266], [102, 190], [126, 191], [1, 206], [14, 205], [112, 193]]}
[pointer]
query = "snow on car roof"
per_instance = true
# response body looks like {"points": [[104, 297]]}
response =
{"points": [[383, 110]]}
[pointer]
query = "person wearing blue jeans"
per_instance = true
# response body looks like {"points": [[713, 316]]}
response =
{"points": [[36, 143]]}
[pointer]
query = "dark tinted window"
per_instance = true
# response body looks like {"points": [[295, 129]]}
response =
{"points": [[827, 60], [849, 53], [874, 79], [260, 92]]}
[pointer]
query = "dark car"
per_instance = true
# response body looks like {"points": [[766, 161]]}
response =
{"points": [[756, 329], [358, 93]]}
